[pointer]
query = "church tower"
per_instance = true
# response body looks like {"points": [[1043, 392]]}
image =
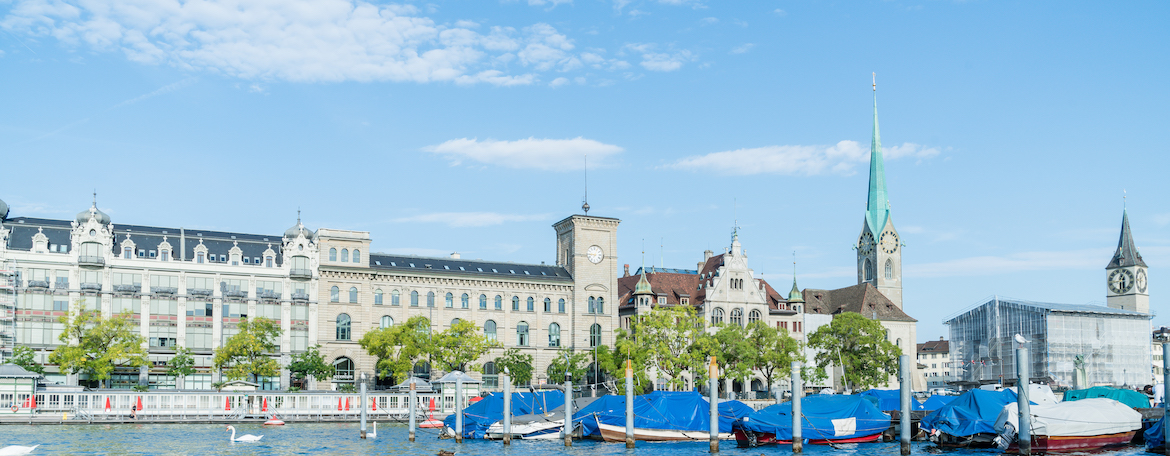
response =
{"points": [[879, 250], [1126, 274]]}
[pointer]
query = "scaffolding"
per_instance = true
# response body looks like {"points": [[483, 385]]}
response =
{"points": [[7, 311], [1111, 344]]}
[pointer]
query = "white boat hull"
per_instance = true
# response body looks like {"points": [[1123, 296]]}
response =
{"points": [[611, 433]]}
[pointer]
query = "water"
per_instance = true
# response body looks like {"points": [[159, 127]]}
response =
{"points": [[342, 438]]}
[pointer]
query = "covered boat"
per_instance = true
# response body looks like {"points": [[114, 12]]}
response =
{"points": [[968, 421], [888, 400], [1156, 436], [1083, 425], [827, 419], [936, 401], [1131, 398], [658, 416], [538, 426], [479, 416]]}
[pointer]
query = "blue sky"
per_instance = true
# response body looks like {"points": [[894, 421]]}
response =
{"points": [[1011, 130]]}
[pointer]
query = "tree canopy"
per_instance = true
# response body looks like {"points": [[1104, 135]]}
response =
{"points": [[182, 364], [399, 347], [859, 346], [614, 361], [519, 366], [96, 346], [310, 363], [575, 363], [775, 351], [459, 346], [668, 335], [247, 353], [26, 357]]}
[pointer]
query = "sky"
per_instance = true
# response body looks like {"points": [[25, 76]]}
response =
{"points": [[1014, 133]]}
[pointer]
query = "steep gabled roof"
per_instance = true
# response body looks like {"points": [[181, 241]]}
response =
{"points": [[1126, 254], [863, 298], [675, 286]]}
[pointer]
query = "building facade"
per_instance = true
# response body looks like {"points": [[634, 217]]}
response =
{"points": [[934, 361]]}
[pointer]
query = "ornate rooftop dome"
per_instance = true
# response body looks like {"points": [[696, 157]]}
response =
{"points": [[93, 211], [298, 229], [3, 210]]}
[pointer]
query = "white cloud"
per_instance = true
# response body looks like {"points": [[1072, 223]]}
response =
{"points": [[553, 3], [531, 153], [558, 82], [660, 61], [1016, 262], [470, 219], [780, 12], [743, 48], [709, 20], [842, 158]]}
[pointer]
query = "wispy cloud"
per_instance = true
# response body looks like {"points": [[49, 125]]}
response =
{"points": [[742, 49], [471, 219], [655, 60], [531, 153], [842, 158], [1016, 262], [161, 90]]}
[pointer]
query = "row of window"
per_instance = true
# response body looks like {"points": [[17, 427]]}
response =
{"points": [[889, 270], [345, 255], [736, 316], [596, 305], [344, 331]]}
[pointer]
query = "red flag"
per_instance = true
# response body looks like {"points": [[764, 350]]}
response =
{"points": [[375, 403], [107, 404], [264, 407], [347, 404], [140, 403], [227, 403], [339, 404]]}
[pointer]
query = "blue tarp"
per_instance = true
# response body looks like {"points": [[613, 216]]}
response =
{"points": [[1155, 436], [660, 410], [936, 401], [478, 416], [820, 411], [973, 412], [1131, 398], [890, 400]]}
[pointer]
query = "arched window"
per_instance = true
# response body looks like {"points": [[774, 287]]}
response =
{"points": [[499, 302], [889, 269], [600, 305], [344, 255], [353, 295], [357, 256], [716, 316], [595, 335], [394, 295], [531, 304], [898, 343], [465, 301], [414, 298], [547, 305], [516, 303], [332, 254], [737, 317], [334, 294], [343, 369], [343, 327], [449, 300], [561, 305], [489, 330], [754, 316], [430, 299], [454, 322], [378, 297], [387, 321], [592, 304], [868, 270], [483, 301], [491, 375], [554, 335], [522, 334]]}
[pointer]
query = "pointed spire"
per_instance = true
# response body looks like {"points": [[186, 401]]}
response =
{"points": [[877, 207], [1126, 254], [795, 295], [643, 286]]}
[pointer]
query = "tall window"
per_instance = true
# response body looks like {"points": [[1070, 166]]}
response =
{"points": [[716, 316], [499, 302], [522, 334], [353, 295], [387, 321], [414, 298], [357, 256], [754, 316], [430, 299], [592, 304], [449, 301], [343, 327], [531, 306], [332, 254], [394, 296], [378, 297], [600, 304], [491, 375], [868, 270], [561, 305], [465, 301], [334, 294], [489, 331], [737, 317], [889, 269], [516, 303], [343, 369], [547, 305], [128, 253], [595, 335], [554, 335], [344, 255], [483, 301]]}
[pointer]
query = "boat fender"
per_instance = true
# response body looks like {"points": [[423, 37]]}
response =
{"points": [[15, 408]]}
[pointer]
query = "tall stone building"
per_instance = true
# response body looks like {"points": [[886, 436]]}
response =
{"points": [[1128, 287]]}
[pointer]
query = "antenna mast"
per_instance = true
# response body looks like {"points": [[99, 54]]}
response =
{"points": [[585, 202]]}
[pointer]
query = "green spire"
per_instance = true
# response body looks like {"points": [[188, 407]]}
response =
{"points": [[877, 209]]}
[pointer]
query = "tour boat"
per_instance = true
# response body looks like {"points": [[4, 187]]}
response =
{"points": [[828, 419], [1084, 425]]}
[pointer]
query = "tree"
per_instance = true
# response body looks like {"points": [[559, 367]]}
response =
{"points": [[614, 361], [248, 352], [566, 360], [26, 358], [668, 334], [460, 345], [310, 363], [859, 346], [730, 347], [181, 365], [96, 346], [519, 366], [398, 347], [775, 351]]}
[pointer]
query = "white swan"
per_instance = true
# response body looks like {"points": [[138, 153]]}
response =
{"points": [[13, 450], [245, 437], [374, 434]]}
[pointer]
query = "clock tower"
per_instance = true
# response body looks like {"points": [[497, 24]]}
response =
{"points": [[587, 249], [879, 249], [1127, 286]]}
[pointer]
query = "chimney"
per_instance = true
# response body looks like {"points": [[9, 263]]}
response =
{"points": [[940, 338], [455, 255], [707, 254], [627, 267]]}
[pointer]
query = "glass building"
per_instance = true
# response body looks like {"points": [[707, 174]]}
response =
{"points": [[1113, 344]]}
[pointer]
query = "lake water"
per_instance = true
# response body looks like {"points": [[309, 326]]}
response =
{"points": [[342, 438]]}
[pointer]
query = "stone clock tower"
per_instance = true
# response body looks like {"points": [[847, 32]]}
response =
{"points": [[879, 249], [1127, 286], [587, 248]]}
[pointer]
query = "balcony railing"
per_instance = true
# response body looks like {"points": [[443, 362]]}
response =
{"points": [[91, 286], [38, 284], [199, 291], [300, 296], [91, 260], [235, 294], [267, 295], [127, 288], [301, 273], [164, 290]]}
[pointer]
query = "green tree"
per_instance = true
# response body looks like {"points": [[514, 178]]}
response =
{"points": [[398, 348], [519, 366], [310, 363], [182, 364], [775, 351], [26, 358], [732, 350], [614, 361], [566, 359], [859, 346], [669, 335], [248, 352], [96, 346], [459, 346]]}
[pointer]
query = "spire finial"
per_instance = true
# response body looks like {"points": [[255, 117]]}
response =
{"points": [[298, 215], [875, 82], [95, 197], [585, 202], [1123, 197]]}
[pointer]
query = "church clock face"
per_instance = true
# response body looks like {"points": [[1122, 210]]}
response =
{"points": [[865, 244], [1121, 281], [594, 254], [1140, 280], [889, 242]]}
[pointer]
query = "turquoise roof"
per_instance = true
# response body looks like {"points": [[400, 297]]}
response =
{"points": [[877, 209]]}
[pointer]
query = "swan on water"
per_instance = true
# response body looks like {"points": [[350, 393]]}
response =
{"points": [[374, 434], [245, 437], [13, 450]]}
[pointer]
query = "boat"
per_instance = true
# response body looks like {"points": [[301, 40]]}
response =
{"points": [[658, 417], [538, 426], [890, 400], [273, 421], [480, 415], [1156, 437], [968, 421], [1084, 425], [936, 401], [828, 419], [1131, 398]]}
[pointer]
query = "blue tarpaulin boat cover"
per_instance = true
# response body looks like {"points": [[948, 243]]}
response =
{"points": [[1131, 398], [973, 412], [937, 401], [478, 416], [826, 417], [1155, 435], [890, 400], [660, 410]]}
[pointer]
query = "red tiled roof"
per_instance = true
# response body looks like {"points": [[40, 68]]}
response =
{"points": [[678, 285], [863, 298]]}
